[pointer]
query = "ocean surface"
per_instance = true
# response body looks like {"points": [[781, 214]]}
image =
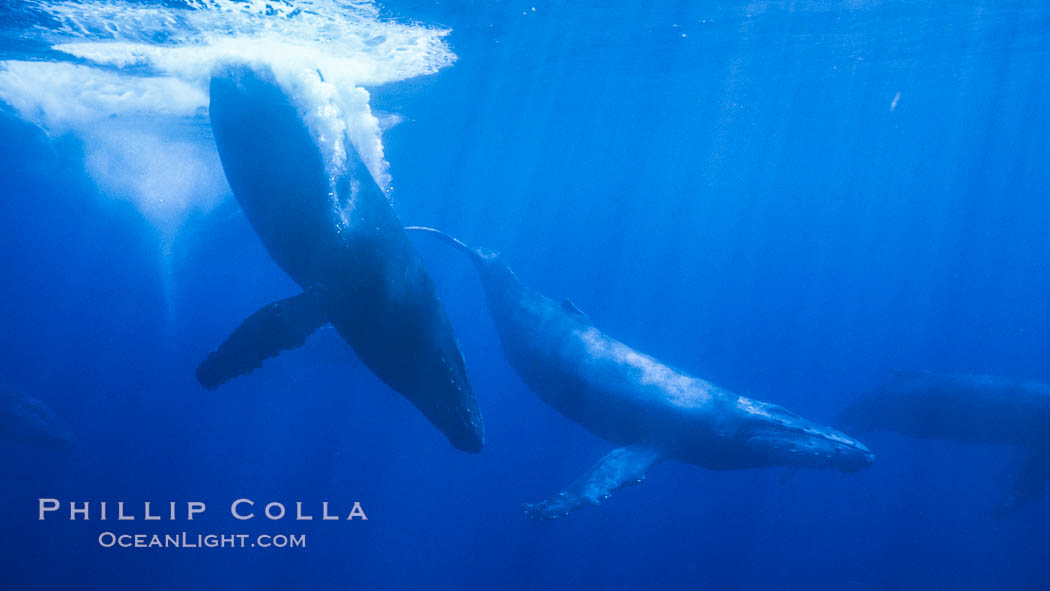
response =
{"points": [[789, 199]]}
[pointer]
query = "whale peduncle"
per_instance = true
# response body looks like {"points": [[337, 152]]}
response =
{"points": [[456, 242]]}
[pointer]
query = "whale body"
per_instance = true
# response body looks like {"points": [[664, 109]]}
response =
{"points": [[968, 408], [25, 419], [631, 399], [335, 233]]}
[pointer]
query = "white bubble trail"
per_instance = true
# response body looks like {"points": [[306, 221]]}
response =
{"points": [[134, 86]]}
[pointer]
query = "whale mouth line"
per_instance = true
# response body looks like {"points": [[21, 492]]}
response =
{"points": [[811, 447]]}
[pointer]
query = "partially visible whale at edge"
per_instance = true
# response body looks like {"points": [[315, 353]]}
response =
{"points": [[635, 401], [970, 408], [336, 235], [25, 419]]}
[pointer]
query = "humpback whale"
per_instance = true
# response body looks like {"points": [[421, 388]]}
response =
{"points": [[28, 420], [969, 408], [334, 233], [631, 399]]}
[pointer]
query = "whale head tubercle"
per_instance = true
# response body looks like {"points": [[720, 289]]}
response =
{"points": [[781, 438]]}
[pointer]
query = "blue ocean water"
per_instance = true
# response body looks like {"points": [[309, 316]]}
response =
{"points": [[790, 199]]}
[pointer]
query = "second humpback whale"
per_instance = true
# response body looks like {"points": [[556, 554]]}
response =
{"points": [[635, 401], [970, 408], [335, 233]]}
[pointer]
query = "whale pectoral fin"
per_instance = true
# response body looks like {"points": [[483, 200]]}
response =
{"points": [[626, 466], [788, 476], [571, 308], [276, 327], [1032, 480]]}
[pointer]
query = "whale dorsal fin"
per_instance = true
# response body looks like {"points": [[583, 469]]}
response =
{"points": [[276, 327], [625, 466], [571, 308]]}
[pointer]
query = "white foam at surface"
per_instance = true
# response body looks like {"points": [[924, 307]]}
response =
{"points": [[141, 74]]}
